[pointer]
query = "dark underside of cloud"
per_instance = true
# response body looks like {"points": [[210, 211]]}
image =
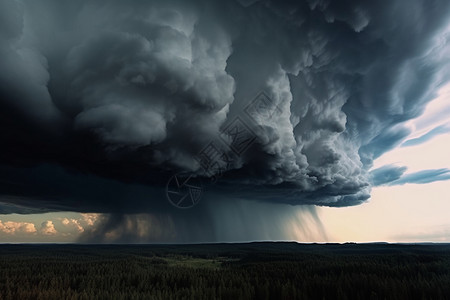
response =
{"points": [[102, 102]]}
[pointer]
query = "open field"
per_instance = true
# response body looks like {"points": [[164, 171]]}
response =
{"points": [[225, 271]]}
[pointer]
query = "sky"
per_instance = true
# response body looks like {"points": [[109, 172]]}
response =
{"points": [[213, 121]]}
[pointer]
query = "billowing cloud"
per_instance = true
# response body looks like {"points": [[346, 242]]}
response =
{"points": [[86, 221], [100, 104], [12, 228], [90, 218], [48, 228], [72, 223], [55, 227]]}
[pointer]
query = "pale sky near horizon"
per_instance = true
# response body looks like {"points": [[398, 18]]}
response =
{"points": [[409, 212]]}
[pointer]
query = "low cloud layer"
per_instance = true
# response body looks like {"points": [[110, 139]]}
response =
{"points": [[13, 228], [48, 227], [101, 103]]}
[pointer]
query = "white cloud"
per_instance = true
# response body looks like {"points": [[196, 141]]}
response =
{"points": [[72, 223], [48, 228], [11, 227], [91, 218], [55, 227]]}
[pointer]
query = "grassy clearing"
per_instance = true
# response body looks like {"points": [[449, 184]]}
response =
{"points": [[195, 262]]}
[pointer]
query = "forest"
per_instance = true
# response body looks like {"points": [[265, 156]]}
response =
{"points": [[263, 270]]}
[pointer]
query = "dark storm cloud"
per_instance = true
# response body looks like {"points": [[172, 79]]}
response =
{"points": [[54, 189], [101, 102]]}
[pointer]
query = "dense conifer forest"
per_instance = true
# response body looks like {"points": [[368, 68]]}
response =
{"points": [[225, 271]]}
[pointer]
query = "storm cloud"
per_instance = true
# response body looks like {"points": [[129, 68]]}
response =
{"points": [[102, 102]]}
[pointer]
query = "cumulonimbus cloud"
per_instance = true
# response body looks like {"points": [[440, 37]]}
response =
{"points": [[102, 102]]}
